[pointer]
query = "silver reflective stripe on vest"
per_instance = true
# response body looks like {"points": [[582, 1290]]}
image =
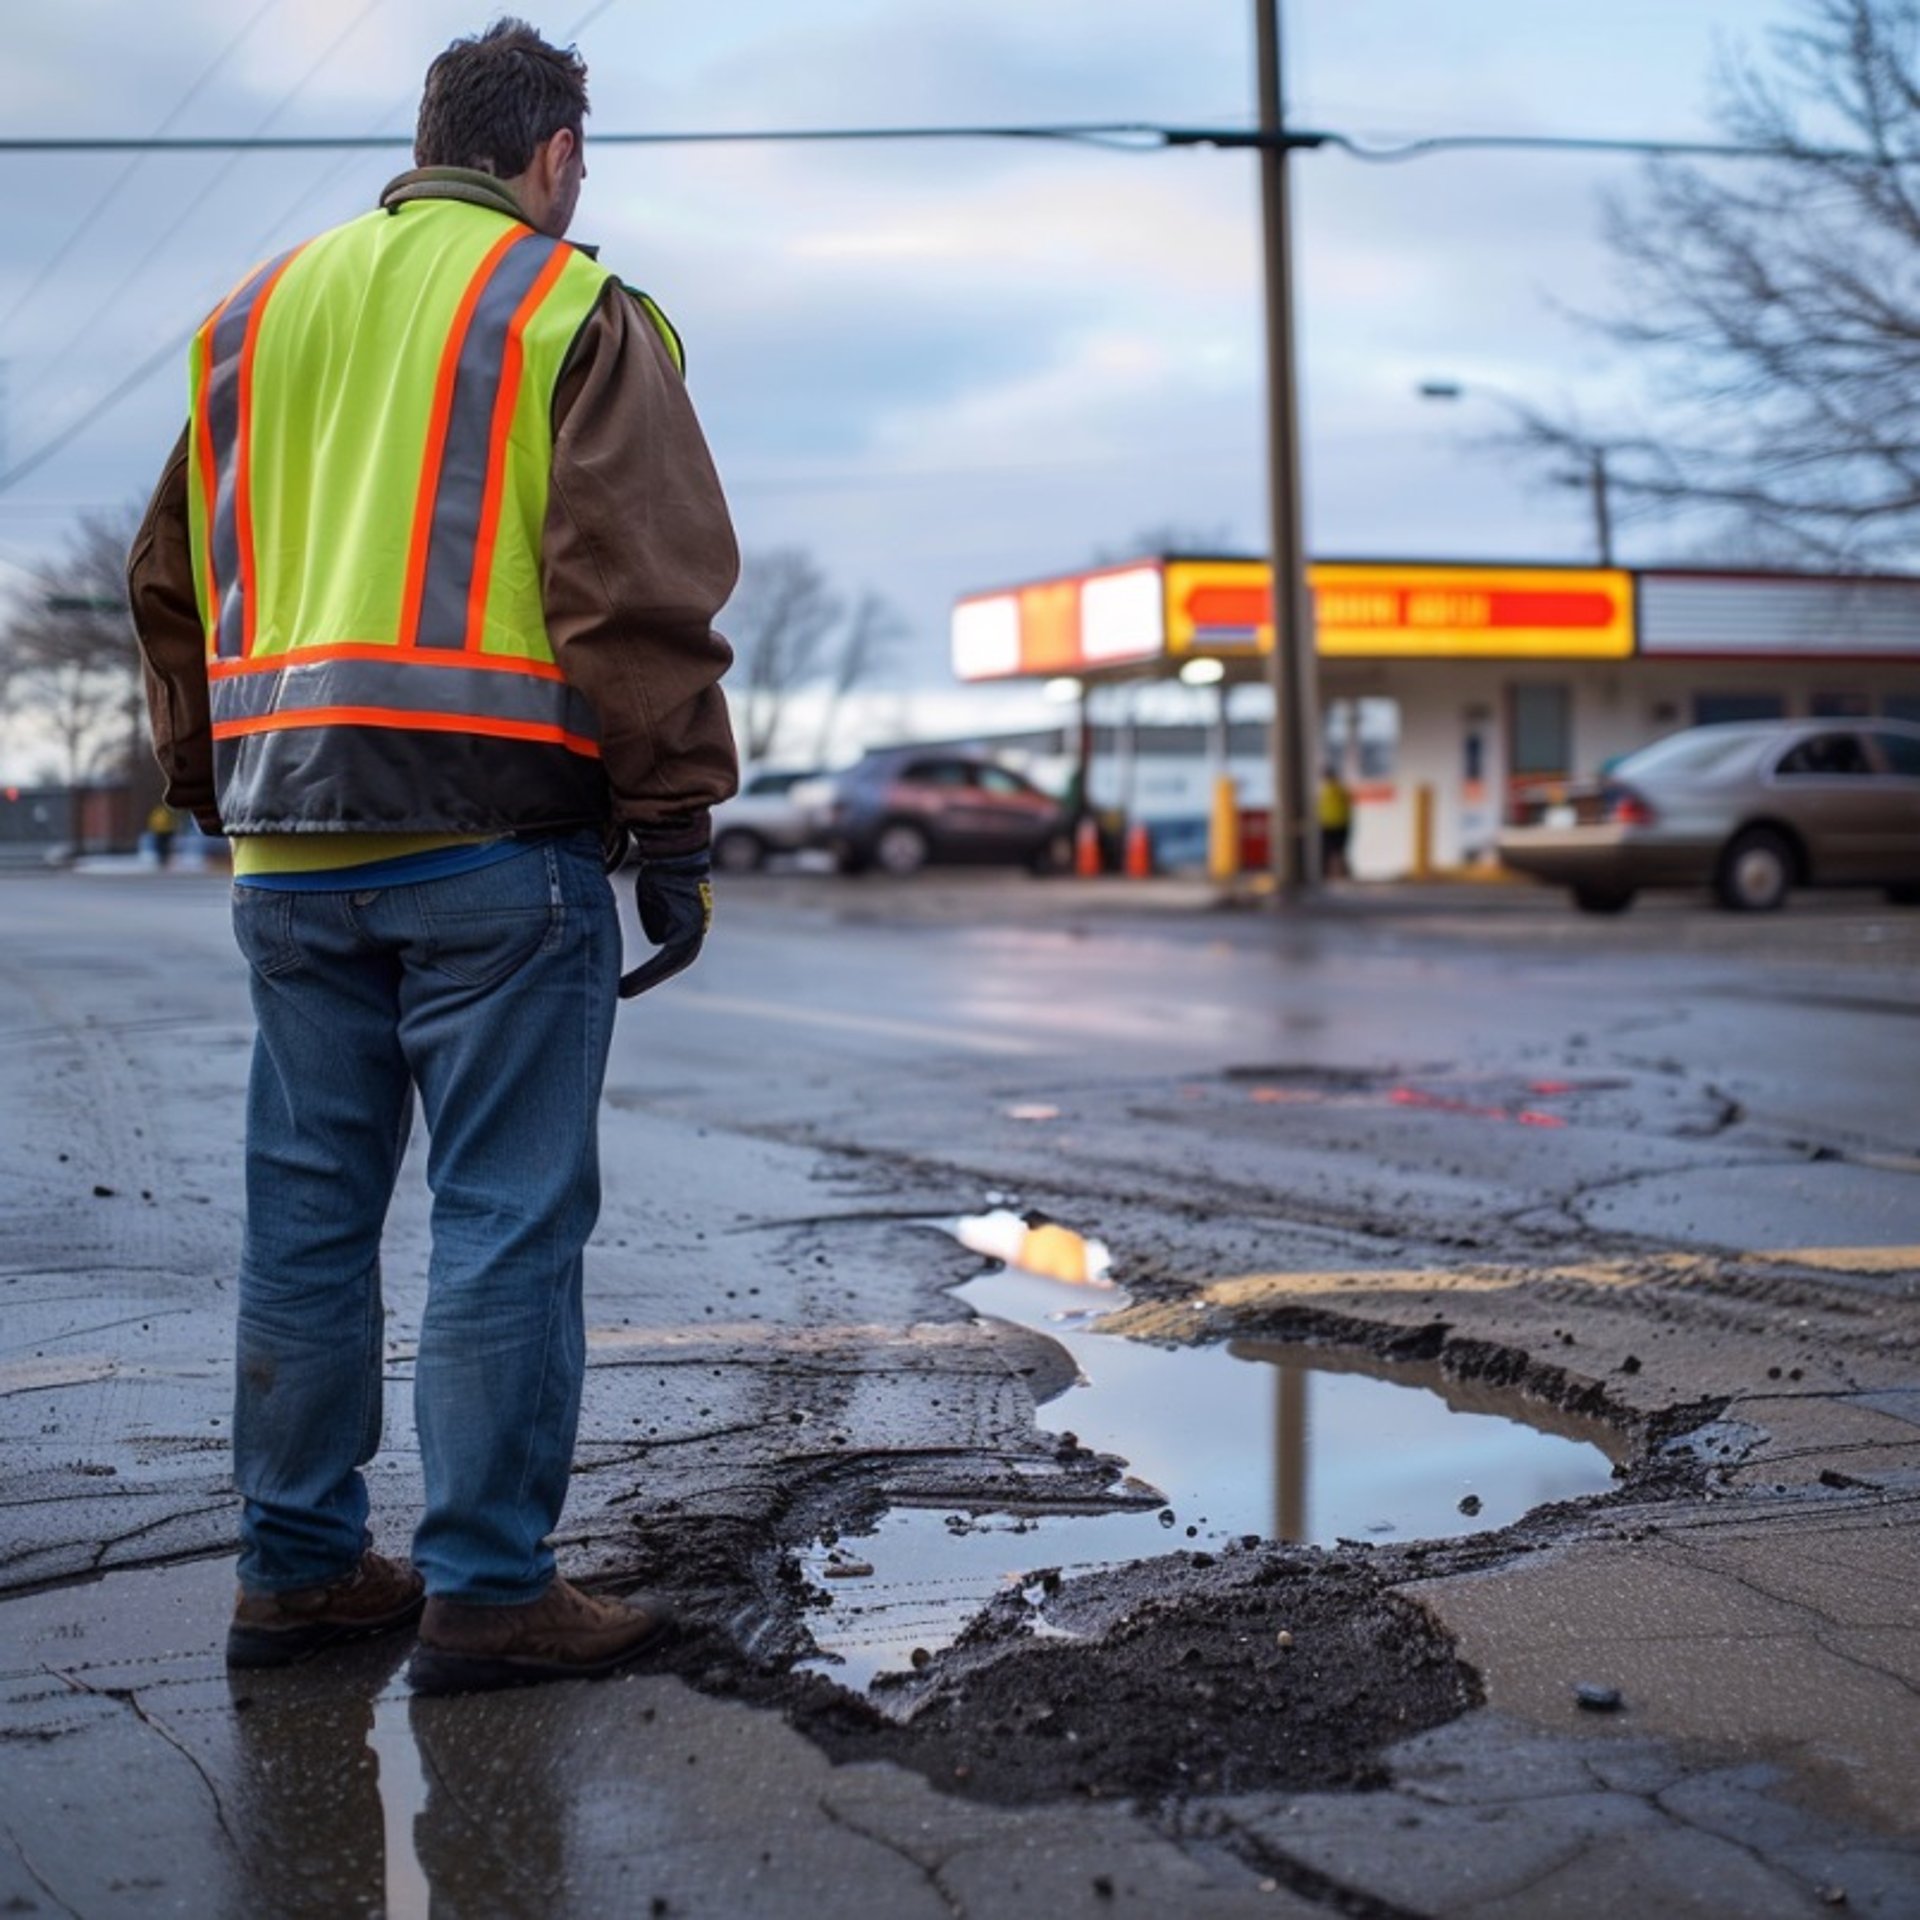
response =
{"points": [[222, 405], [461, 488], [322, 688]]}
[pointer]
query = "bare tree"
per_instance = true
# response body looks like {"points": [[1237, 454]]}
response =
{"points": [[68, 665], [779, 620], [869, 636], [1168, 536], [1777, 302]]}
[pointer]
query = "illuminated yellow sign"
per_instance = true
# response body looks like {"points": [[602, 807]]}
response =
{"points": [[1219, 606], [1399, 612], [1458, 613], [1382, 611]]}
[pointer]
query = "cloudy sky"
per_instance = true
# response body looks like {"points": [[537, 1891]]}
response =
{"points": [[940, 366]]}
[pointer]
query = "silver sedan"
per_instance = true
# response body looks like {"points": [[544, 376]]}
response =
{"points": [[1750, 809]]}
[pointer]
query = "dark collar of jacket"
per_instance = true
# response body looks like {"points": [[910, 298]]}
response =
{"points": [[477, 189]]}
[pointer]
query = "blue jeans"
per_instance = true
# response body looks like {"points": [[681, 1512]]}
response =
{"points": [[492, 993]]}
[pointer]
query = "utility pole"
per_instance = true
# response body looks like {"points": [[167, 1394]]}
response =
{"points": [[1294, 841], [1597, 478]]}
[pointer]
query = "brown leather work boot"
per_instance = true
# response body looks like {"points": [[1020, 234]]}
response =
{"points": [[276, 1629], [564, 1635]]}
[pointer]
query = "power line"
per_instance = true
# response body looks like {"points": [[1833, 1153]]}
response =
{"points": [[1125, 135], [110, 399], [85, 225], [105, 404], [327, 179], [15, 471], [70, 430], [1556, 143], [1147, 136]]}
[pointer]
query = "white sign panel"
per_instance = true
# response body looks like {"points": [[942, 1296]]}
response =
{"points": [[986, 638], [1123, 616], [1753, 616]]}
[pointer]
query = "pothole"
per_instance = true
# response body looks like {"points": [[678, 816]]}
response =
{"points": [[1225, 1447]]}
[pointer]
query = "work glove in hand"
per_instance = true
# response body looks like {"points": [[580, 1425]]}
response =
{"points": [[676, 909]]}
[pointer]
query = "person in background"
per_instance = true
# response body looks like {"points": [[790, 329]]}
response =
{"points": [[425, 600], [160, 826], [1336, 823]]}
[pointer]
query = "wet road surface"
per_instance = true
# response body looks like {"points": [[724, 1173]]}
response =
{"points": [[1656, 1177]]}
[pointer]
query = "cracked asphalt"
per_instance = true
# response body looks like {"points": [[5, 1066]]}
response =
{"points": [[1660, 1174]]}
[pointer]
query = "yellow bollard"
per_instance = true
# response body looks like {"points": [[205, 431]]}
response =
{"points": [[1223, 830], [1422, 834]]}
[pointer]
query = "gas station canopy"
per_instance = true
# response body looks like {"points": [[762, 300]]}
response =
{"points": [[1157, 613]]}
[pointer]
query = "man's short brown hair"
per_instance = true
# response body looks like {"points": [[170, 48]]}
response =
{"points": [[492, 98]]}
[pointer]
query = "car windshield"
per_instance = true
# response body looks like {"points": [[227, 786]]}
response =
{"points": [[1693, 753]]}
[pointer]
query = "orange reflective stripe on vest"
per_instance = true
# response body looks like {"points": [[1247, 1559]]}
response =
{"points": [[227, 355], [362, 686], [465, 469]]}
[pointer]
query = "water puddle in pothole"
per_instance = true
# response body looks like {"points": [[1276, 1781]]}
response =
{"points": [[1249, 1440]]}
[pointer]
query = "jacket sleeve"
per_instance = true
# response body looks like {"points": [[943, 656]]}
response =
{"points": [[173, 645], [638, 558]]}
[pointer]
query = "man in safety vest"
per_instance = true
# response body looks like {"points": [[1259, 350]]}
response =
{"points": [[425, 598]]}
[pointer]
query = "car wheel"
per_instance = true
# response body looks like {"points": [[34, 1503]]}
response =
{"points": [[1903, 896], [1597, 899], [1756, 871], [737, 851], [1053, 855], [901, 848]]}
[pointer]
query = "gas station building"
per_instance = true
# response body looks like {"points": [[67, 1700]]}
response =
{"points": [[1446, 689]]}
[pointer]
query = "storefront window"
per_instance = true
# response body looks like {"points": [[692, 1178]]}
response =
{"points": [[1542, 726], [1710, 709]]}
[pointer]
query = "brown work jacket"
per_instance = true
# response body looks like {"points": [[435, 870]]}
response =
{"points": [[637, 558]]}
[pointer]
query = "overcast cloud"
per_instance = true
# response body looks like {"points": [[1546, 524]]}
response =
{"points": [[941, 366]]}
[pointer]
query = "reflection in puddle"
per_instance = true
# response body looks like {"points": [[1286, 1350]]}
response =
{"points": [[403, 1798], [1040, 1247], [1497, 1097], [1250, 1439]]}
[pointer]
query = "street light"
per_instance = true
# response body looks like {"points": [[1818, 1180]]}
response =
{"points": [[1591, 454]]}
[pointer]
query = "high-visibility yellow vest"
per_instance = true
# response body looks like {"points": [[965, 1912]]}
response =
{"points": [[1336, 803], [371, 448]]}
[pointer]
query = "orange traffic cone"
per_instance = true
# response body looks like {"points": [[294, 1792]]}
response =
{"points": [[1086, 848], [1139, 852]]}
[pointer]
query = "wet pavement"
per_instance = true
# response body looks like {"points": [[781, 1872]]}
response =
{"points": [[1647, 1188]]}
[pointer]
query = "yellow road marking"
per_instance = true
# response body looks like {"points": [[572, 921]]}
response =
{"points": [[1847, 1259], [1146, 1319]]}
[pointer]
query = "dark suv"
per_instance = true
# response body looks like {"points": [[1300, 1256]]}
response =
{"points": [[902, 807]]}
